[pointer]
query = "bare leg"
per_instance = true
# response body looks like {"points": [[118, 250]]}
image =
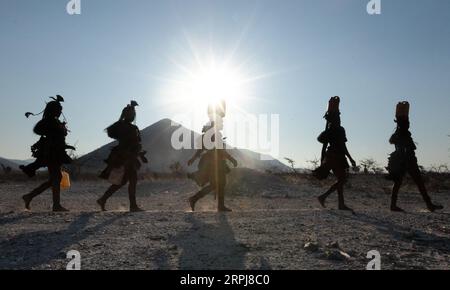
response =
{"points": [[341, 174], [37, 191], [394, 196], [324, 196], [199, 195], [109, 192], [417, 177], [55, 178], [30, 169], [221, 197], [340, 190], [132, 191]]}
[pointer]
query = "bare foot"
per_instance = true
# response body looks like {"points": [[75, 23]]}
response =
{"points": [[27, 200], [346, 208], [59, 208], [321, 200], [224, 209], [192, 203], [433, 207], [396, 209], [136, 209], [102, 204]]}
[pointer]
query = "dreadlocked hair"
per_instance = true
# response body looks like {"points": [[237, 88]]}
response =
{"points": [[332, 118], [128, 114], [52, 109]]}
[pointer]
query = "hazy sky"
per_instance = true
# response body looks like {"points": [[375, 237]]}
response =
{"points": [[308, 51]]}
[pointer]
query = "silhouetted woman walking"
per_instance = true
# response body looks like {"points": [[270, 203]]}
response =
{"points": [[403, 160], [212, 167], [50, 152], [334, 154], [124, 159]]}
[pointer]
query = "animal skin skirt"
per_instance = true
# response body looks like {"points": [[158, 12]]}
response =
{"points": [[333, 161]]}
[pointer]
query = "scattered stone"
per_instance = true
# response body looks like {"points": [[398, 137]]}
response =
{"points": [[444, 229], [311, 247], [411, 234], [337, 255], [333, 245], [156, 238]]}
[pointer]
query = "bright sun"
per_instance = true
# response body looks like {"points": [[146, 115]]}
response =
{"points": [[210, 84], [207, 82], [201, 74]]}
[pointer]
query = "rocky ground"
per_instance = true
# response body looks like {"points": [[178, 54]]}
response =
{"points": [[275, 225]]}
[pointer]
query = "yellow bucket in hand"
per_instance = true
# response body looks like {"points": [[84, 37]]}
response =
{"points": [[65, 180]]}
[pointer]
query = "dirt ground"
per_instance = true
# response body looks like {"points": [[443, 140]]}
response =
{"points": [[275, 225]]}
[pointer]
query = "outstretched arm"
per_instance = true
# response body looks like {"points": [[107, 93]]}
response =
{"points": [[196, 155], [70, 147], [349, 156], [231, 159], [324, 150]]}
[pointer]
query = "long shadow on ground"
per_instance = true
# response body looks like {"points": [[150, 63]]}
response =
{"points": [[34, 249], [210, 246]]}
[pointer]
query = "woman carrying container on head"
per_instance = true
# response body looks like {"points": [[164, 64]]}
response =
{"points": [[403, 160], [334, 154]]}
